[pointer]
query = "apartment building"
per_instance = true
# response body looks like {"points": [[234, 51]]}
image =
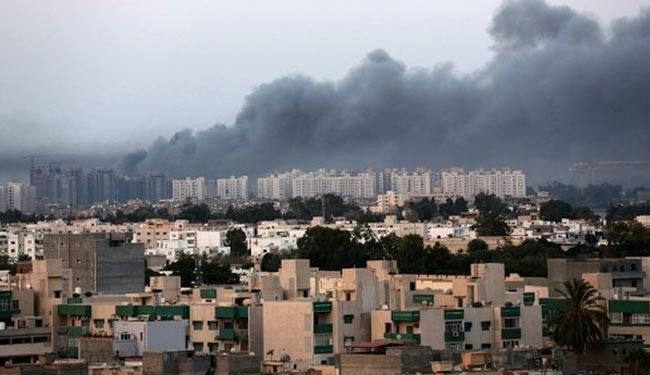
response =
{"points": [[99, 262], [276, 186], [503, 183], [189, 189], [232, 188], [416, 183]]}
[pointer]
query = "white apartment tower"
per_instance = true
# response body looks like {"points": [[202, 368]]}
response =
{"points": [[232, 188], [189, 188], [503, 182], [405, 183], [278, 186], [18, 196]]}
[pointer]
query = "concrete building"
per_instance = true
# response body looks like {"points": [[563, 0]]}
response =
{"points": [[503, 183], [232, 188], [276, 186], [614, 277], [132, 338], [189, 189], [99, 263], [406, 183]]}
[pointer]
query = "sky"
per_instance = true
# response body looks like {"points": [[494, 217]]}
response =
{"points": [[109, 77]]}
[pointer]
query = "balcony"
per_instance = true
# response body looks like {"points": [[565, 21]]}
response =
{"points": [[74, 310], [134, 310], [208, 293], [412, 337], [454, 314], [510, 333], [321, 307], [323, 328], [231, 312], [454, 336], [76, 331], [405, 316], [419, 298], [510, 312], [226, 334], [7, 314], [323, 349]]}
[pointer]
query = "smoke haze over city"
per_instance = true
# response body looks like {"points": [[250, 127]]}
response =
{"points": [[561, 86]]}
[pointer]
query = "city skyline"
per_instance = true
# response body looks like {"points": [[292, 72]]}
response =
{"points": [[444, 114]]}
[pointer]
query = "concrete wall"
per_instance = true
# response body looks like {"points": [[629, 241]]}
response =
{"points": [[367, 364], [120, 269], [238, 364], [291, 332], [96, 349]]}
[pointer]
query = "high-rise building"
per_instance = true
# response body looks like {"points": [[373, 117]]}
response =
{"points": [[278, 186], [42, 178], [157, 187], [229, 188], [3, 199], [503, 182], [189, 188], [407, 183], [102, 186], [19, 196]]}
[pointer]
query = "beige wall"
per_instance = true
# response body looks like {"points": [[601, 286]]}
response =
{"points": [[291, 332]]}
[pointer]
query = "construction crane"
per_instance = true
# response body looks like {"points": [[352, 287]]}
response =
{"points": [[585, 169]]}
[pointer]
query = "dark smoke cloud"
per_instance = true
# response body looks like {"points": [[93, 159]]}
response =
{"points": [[560, 88]]}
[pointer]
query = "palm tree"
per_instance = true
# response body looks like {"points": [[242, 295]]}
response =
{"points": [[584, 319], [638, 361]]}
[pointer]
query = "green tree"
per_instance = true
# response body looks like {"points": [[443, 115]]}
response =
{"points": [[411, 254], [197, 213], [331, 249], [628, 238], [491, 224], [584, 319], [476, 245], [216, 270], [236, 240], [638, 361], [271, 262], [489, 204], [555, 211], [185, 267]]}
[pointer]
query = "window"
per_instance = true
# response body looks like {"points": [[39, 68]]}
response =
{"points": [[348, 340], [388, 327], [641, 318], [213, 346], [213, 325], [99, 323], [510, 343], [198, 346], [454, 326], [485, 325], [510, 322], [412, 286], [468, 326], [15, 304], [486, 346], [347, 319], [469, 346], [616, 317], [197, 325]]}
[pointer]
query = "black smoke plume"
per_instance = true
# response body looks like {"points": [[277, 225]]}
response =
{"points": [[560, 88]]}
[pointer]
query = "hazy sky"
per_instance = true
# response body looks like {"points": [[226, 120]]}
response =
{"points": [[101, 72], [110, 76]]}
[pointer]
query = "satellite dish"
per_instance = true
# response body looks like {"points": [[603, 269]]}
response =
{"points": [[285, 358]]}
